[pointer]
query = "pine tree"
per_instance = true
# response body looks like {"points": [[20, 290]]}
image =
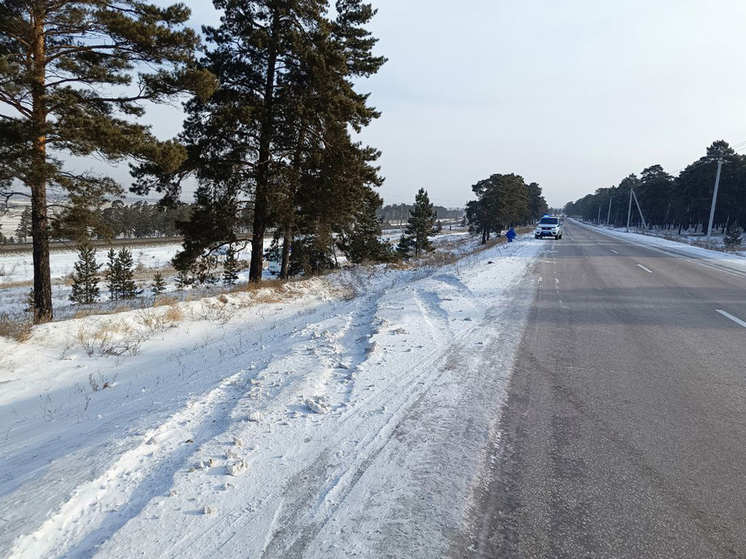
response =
{"points": [[183, 280], [230, 267], [405, 246], [278, 130], [85, 278], [312, 254], [159, 285], [66, 71], [127, 285], [502, 201], [23, 231], [363, 243], [420, 227], [29, 301], [733, 235], [113, 275]]}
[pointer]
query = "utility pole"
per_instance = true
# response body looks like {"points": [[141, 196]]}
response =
{"points": [[598, 220], [644, 225], [629, 211], [608, 217], [714, 200]]}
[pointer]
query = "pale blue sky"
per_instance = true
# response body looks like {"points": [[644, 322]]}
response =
{"points": [[574, 95]]}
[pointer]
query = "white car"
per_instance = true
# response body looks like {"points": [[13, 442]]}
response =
{"points": [[548, 226]]}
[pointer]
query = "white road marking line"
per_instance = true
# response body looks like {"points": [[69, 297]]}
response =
{"points": [[571, 237], [646, 269], [733, 318], [615, 252], [675, 255], [600, 243]]}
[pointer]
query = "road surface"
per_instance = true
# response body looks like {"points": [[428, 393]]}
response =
{"points": [[624, 433]]}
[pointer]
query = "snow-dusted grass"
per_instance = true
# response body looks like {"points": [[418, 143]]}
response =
{"points": [[320, 418], [16, 275]]}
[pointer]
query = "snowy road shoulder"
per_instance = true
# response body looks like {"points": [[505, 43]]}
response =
{"points": [[316, 427], [732, 262]]}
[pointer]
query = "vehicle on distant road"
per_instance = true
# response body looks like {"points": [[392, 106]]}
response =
{"points": [[548, 226]]}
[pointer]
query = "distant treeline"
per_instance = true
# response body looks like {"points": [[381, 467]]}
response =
{"points": [[399, 213], [139, 220], [682, 202]]}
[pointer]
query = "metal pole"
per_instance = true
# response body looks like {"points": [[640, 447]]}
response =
{"points": [[714, 200], [629, 211], [644, 225], [608, 217]]}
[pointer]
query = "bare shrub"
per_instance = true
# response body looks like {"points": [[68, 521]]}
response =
{"points": [[174, 313], [160, 321], [100, 383], [83, 313], [164, 301], [214, 311], [103, 343], [18, 329]]}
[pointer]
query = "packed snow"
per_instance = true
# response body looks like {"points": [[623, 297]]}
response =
{"points": [[333, 417]]}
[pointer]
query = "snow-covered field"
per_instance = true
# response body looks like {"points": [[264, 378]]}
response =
{"points": [[335, 417], [16, 270], [18, 267]]}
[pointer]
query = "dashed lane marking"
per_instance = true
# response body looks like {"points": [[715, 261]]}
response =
{"points": [[615, 252], [733, 318], [646, 269]]}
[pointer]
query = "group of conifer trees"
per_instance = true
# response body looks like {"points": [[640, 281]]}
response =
{"points": [[503, 201], [119, 275], [271, 110], [682, 202], [276, 137]]}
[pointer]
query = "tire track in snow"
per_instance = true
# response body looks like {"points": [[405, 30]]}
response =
{"points": [[324, 486], [99, 507]]}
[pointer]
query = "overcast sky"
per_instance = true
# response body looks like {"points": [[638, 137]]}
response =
{"points": [[574, 95]]}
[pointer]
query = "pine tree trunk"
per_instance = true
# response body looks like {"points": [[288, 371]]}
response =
{"points": [[262, 175], [286, 241], [290, 218], [39, 219]]}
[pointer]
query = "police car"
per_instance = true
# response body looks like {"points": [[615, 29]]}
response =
{"points": [[548, 226]]}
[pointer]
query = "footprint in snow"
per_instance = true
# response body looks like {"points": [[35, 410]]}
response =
{"points": [[317, 405]]}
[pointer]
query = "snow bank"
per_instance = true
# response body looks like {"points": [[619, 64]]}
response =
{"points": [[341, 416]]}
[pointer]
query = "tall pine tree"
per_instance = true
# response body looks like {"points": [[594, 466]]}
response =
{"points": [[65, 68], [275, 131], [420, 227]]}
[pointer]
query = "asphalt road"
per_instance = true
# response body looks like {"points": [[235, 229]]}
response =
{"points": [[624, 433]]}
